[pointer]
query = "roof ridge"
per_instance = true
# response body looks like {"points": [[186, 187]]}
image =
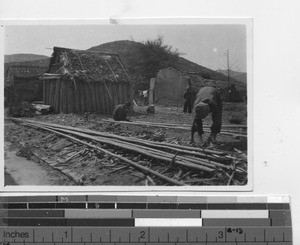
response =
{"points": [[32, 66], [84, 51]]}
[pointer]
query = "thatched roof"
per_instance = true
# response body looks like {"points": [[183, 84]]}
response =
{"points": [[20, 72], [91, 66], [25, 71]]}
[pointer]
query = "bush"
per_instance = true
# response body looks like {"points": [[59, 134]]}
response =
{"points": [[156, 56]]}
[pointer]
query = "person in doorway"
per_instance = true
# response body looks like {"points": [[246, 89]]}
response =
{"points": [[207, 101], [121, 111], [146, 96]]}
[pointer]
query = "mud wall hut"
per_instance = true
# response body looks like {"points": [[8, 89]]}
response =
{"points": [[170, 86], [22, 83], [86, 81]]}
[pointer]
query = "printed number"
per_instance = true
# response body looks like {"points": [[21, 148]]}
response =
{"points": [[236, 230], [220, 234], [142, 234], [66, 233]]}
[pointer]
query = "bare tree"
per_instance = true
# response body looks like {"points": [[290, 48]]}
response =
{"points": [[230, 67]]}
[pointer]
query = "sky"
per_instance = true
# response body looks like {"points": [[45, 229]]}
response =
{"points": [[204, 44]]}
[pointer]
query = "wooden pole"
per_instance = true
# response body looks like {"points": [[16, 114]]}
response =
{"points": [[193, 149], [140, 146], [238, 134], [163, 156], [141, 168]]}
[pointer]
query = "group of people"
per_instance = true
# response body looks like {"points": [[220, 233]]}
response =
{"points": [[206, 101]]}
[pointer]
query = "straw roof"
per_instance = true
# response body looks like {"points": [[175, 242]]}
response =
{"points": [[90, 66], [19, 71]]}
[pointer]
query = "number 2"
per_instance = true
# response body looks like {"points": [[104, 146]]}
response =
{"points": [[142, 234]]}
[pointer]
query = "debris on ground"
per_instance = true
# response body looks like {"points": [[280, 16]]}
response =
{"points": [[22, 109], [128, 154], [26, 109], [88, 166]]}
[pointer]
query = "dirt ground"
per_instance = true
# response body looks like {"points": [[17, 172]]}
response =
{"points": [[44, 155], [21, 171]]}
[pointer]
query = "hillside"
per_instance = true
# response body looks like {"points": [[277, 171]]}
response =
{"points": [[239, 76], [23, 57], [132, 56]]}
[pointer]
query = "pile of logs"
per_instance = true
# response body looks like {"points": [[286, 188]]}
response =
{"points": [[168, 155]]}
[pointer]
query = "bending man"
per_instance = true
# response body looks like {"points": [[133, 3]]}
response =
{"points": [[207, 101]]}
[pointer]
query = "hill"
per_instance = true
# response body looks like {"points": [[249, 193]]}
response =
{"points": [[132, 54], [23, 57], [239, 76]]}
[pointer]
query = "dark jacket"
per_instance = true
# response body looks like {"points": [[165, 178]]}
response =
{"points": [[211, 97], [120, 113], [189, 94]]}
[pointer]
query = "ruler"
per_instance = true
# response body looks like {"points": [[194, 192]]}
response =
{"points": [[145, 220]]}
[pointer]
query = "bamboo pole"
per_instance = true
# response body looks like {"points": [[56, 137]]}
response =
{"points": [[70, 97], [86, 97], [142, 168], [93, 97], [104, 90], [100, 98], [82, 96], [50, 93], [44, 92], [65, 96], [184, 125], [55, 88], [115, 93], [57, 93], [240, 134], [61, 95], [112, 104], [194, 149], [76, 98], [163, 156], [131, 146]]}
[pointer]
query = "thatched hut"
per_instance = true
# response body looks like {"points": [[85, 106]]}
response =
{"points": [[85, 81], [22, 83]]}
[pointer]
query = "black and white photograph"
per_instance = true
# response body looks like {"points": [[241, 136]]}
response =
{"points": [[149, 106]]}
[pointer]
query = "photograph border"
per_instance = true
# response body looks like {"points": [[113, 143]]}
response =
{"points": [[138, 21]]}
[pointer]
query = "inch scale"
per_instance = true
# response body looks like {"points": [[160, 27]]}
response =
{"points": [[145, 220]]}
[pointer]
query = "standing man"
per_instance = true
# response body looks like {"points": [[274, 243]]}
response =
{"points": [[120, 112], [207, 101], [188, 98]]}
